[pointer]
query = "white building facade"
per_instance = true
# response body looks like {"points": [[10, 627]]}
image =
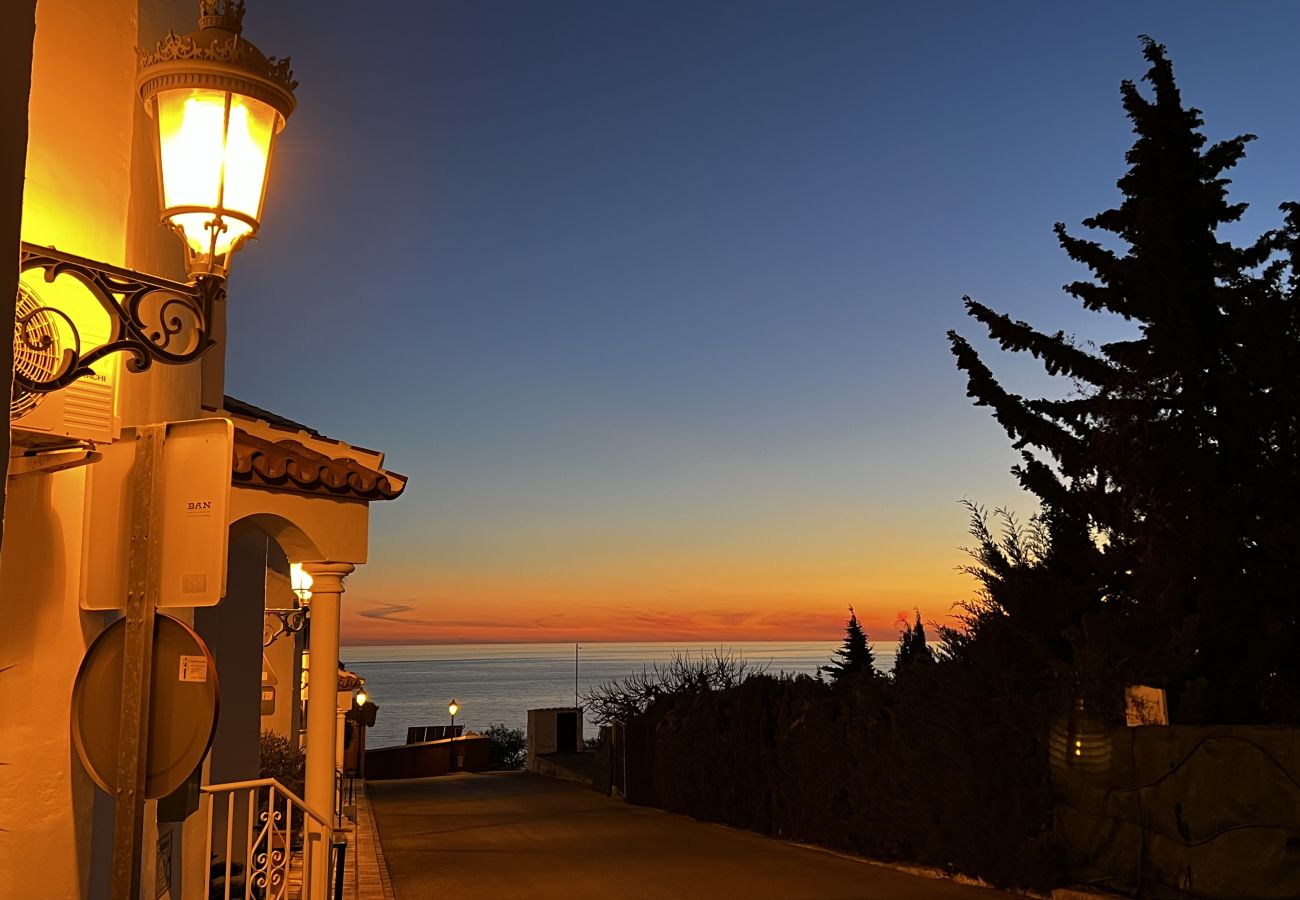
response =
{"points": [[78, 172]]}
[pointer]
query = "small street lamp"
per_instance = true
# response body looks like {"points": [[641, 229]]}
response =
{"points": [[361, 697], [453, 707]]}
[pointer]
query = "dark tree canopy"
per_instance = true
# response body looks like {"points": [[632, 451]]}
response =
{"points": [[1169, 475], [912, 647], [855, 656]]}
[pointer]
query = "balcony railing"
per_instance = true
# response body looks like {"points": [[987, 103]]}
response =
{"points": [[264, 841]]}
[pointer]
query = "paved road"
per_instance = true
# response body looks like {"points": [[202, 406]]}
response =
{"points": [[510, 835]]}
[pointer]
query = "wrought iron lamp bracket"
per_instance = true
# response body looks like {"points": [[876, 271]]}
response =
{"points": [[153, 319], [292, 621]]}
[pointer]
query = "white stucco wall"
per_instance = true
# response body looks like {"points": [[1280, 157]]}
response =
{"points": [[306, 528], [75, 196], [90, 189], [45, 797], [80, 180], [15, 74], [543, 732]]}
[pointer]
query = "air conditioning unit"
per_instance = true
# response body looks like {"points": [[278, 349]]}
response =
{"points": [[84, 410]]}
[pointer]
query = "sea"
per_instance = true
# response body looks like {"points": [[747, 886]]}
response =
{"points": [[498, 683]]}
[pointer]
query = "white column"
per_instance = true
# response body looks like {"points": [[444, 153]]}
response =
{"points": [[322, 689]]}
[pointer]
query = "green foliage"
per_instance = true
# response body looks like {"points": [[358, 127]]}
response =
{"points": [[507, 747], [1169, 473], [855, 656], [282, 760]]}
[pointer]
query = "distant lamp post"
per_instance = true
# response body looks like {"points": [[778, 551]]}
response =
{"points": [[453, 707], [362, 697], [217, 105]]}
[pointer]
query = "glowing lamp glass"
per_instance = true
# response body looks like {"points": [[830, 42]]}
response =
{"points": [[301, 581], [214, 151], [453, 707], [361, 698]]}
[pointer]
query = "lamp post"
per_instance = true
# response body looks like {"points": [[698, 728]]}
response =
{"points": [[453, 707], [217, 104]]}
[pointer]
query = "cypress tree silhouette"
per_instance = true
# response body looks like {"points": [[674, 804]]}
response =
{"points": [[1169, 476], [855, 656], [912, 647]]}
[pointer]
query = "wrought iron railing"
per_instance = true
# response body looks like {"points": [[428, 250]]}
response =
{"points": [[264, 842]]}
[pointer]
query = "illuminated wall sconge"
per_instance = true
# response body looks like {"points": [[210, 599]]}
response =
{"points": [[300, 581]]}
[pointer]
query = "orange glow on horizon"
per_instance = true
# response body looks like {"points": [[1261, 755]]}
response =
{"points": [[490, 615], [684, 584]]}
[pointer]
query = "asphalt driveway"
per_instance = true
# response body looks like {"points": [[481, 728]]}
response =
{"points": [[511, 835]]}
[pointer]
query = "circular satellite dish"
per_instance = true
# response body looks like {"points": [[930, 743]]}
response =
{"points": [[183, 701]]}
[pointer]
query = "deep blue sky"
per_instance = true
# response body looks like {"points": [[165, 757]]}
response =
{"points": [[649, 299]]}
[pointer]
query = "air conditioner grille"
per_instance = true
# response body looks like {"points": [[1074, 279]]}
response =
{"points": [[36, 349], [89, 403]]}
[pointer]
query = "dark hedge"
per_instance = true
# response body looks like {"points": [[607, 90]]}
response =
{"points": [[943, 766]]}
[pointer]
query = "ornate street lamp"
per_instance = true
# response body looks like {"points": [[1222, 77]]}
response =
{"points": [[292, 619], [217, 104], [300, 581]]}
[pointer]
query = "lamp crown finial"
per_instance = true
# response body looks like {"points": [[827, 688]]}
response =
{"points": [[224, 14]]}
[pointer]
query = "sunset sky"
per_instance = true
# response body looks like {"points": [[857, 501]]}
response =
{"points": [[649, 299]]}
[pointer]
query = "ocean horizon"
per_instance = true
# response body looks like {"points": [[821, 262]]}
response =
{"points": [[497, 683]]}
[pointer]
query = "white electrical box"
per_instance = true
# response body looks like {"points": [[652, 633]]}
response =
{"points": [[195, 498]]}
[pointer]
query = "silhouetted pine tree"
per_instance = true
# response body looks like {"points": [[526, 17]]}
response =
{"points": [[1169, 478], [912, 647], [855, 656]]}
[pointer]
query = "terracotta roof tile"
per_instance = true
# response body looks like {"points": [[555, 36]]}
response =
{"points": [[287, 465]]}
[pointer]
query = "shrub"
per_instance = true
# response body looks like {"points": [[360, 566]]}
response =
{"points": [[623, 698], [507, 747], [283, 760]]}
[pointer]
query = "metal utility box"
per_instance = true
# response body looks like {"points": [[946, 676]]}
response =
{"points": [[554, 730]]}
